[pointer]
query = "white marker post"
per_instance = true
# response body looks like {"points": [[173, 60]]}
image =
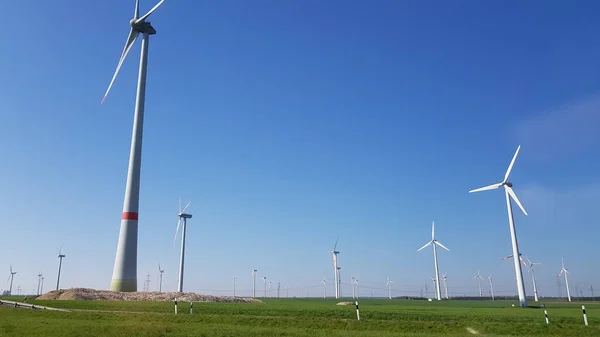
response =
{"points": [[191, 308], [585, 321], [546, 314], [175, 305], [357, 312]]}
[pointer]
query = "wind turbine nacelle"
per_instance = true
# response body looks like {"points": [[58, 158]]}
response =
{"points": [[185, 216], [509, 184]]}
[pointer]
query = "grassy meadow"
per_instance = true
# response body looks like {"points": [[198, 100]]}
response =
{"points": [[300, 317]]}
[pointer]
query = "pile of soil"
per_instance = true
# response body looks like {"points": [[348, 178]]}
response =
{"points": [[104, 295]]}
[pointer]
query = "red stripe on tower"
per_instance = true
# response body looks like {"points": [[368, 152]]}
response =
{"points": [[129, 216]]}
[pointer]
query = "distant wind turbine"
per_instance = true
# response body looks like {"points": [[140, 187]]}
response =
{"points": [[445, 278], [160, 278], [324, 287], [336, 269], [491, 286], [184, 216], [479, 278], [11, 277], [565, 271], [60, 258], [531, 267], [389, 286], [435, 243], [509, 193]]}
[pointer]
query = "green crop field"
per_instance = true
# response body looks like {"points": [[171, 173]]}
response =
{"points": [[300, 317]]}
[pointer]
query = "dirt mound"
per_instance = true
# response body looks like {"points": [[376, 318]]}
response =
{"points": [[345, 303], [103, 295]]}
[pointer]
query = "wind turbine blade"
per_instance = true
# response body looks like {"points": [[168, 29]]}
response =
{"points": [[514, 197], [186, 206], [60, 249], [486, 188], [11, 269], [179, 206], [512, 162], [149, 12], [441, 245], [130, 40], [336, 242], [528, 260], [427, 244], [507, 257], [432, 230], [177, 230], [159, 268], [136, 13], [520, 258]]}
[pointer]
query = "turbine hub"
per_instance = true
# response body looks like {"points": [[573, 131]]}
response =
{"points": [[508, 183]]}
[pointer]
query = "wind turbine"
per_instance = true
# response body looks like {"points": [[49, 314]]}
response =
{"points": [[60, 258], [434, 286], [11, 277], [563, 270], [353, 288], [254, 283], [324, 287], [445, 278], [531, 265], [479, 278], [336, 269], [184, 216], [265, 279], [39, 282], [42, 286], [435, 261], [124, 276], [509, 193], [160, 276], [356, 285], [491, 286], [389, 286]]}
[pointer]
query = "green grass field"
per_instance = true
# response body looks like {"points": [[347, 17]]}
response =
{"points": [[299, 317]]}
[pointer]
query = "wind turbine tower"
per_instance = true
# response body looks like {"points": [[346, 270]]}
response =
{"points": [[336, 269], [11, 277], [435, 243], [160, 277], [491, 286], [389, 286], [60, 258], [479, 278], [254, 283], [185, 217], [445, 279], [531, 270], [39, 282], [509, 193], [565, 271], [124, 276]]}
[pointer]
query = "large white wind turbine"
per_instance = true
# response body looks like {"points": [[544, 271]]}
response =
{"points": [[389, 286], [565, 271], [479, 278], [125, 270], [509, 193], [531, 265], [435, 243], [336, 269], [184, 216]]}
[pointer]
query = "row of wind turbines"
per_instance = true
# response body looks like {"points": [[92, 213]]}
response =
{"points": [[40, 276], [516, 255], [125, 268]]}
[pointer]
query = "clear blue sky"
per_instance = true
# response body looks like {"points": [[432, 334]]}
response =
{"points": [[288, 123]]}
